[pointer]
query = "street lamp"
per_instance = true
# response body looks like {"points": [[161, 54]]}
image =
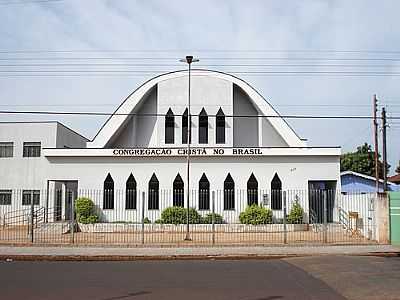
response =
{"points": [[189, 60]]}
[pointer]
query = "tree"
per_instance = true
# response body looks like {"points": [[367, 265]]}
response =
{"points": [[362, 161]]}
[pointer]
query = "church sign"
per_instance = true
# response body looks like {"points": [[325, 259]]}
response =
{"points": [[184, 151]]}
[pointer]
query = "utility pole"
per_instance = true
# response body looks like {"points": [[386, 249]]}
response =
{"points": [[375, 127], [189, 60], [384, 125]]}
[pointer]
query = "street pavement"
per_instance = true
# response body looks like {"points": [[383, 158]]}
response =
{"points": [[320, 277], [109, 253]]}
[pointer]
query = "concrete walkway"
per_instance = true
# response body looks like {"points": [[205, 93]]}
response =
{"points": [[96, 253]]}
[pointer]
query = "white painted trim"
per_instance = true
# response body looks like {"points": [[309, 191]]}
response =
{"points": [[114, 122], [99, 152]]}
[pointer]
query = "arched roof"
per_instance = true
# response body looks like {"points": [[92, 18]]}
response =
{"points": [[117, 119]]}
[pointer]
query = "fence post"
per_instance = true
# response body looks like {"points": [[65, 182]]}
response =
{"points": [[32, 216], [143, 201], [72, 217], [213, 216], [325, 209], [284, 217]]}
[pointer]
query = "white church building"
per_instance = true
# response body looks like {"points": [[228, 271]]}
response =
{"points": [[240, 147]]}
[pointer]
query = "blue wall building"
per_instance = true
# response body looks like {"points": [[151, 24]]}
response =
{"points": [[355, 182]]}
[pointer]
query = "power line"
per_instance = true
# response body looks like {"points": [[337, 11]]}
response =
{"points": [[208, 58], [177, 115], [200, 65], [147, 72], [198, 50], [114, 104], [28, 2]]}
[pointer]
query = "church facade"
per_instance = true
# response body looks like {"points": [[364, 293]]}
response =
{"points": [[238, 143]]}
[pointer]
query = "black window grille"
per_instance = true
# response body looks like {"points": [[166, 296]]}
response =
{"points": [[5, 197], [203, 127], [31, 149], [204, 193], [6, 149], [276, 193], [153, 197], [252, 190], [130, 197], [229, 193], [220, 127], [185, 124], [178, 191], [108, 193], [170, 127], [27, 196]]}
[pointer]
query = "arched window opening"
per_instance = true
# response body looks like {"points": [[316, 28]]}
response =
{"points": [[108, 193], [220, 127], [203, 127], [178, 192], [204, 193], [185, 125], [229, 193], [153, 197], [130, 193], [252, 190], [169, 127], [276, 193]]}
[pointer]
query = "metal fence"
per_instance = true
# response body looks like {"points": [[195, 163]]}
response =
{"points": [[216, 217]]}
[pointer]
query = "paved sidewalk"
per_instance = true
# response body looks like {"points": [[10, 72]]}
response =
{"points": [[106, 253]]}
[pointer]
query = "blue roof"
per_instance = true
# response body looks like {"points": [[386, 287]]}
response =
{"points": [[356, 182]]}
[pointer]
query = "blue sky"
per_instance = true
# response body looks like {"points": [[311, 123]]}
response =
{"points": [[266, 26]]}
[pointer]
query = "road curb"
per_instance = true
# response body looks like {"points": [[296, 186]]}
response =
{"points": [[23, 257]]}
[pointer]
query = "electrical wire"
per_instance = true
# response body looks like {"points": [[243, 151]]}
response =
{"points": [[163, 115]]}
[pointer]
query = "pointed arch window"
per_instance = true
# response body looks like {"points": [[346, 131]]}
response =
{"points": [[108, 192], [204, 193], [220, 127], [203, 127], [154, 192], [130, 193], [229, 193], [185, 124], [252, 190], [169, 127], [178, 191], [276, 193]]}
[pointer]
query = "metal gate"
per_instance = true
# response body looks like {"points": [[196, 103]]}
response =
{"points": [[394, 209]]}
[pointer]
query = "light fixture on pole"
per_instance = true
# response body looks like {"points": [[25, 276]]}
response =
{"points": [[189, 60]]}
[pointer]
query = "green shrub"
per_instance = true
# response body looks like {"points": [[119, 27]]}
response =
{"points": [[296, 214], [85, 211], [177, 215], [218, 219], [256, 215], [158, 221], [146, 220]]}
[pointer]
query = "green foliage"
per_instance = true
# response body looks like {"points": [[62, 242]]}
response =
{"points": [[146, 220], [177, 215], [85, 213], [218, 219], [398, 168], [158, 221], [362, 161], [256, 215], [296, 214]]}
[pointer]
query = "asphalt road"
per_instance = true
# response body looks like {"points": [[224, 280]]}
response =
{"points": [[299, 278]]}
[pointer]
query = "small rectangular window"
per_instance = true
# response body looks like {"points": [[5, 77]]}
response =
{"points": [[6, 149], [31, 149], [27, 195], [5, 197]]}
